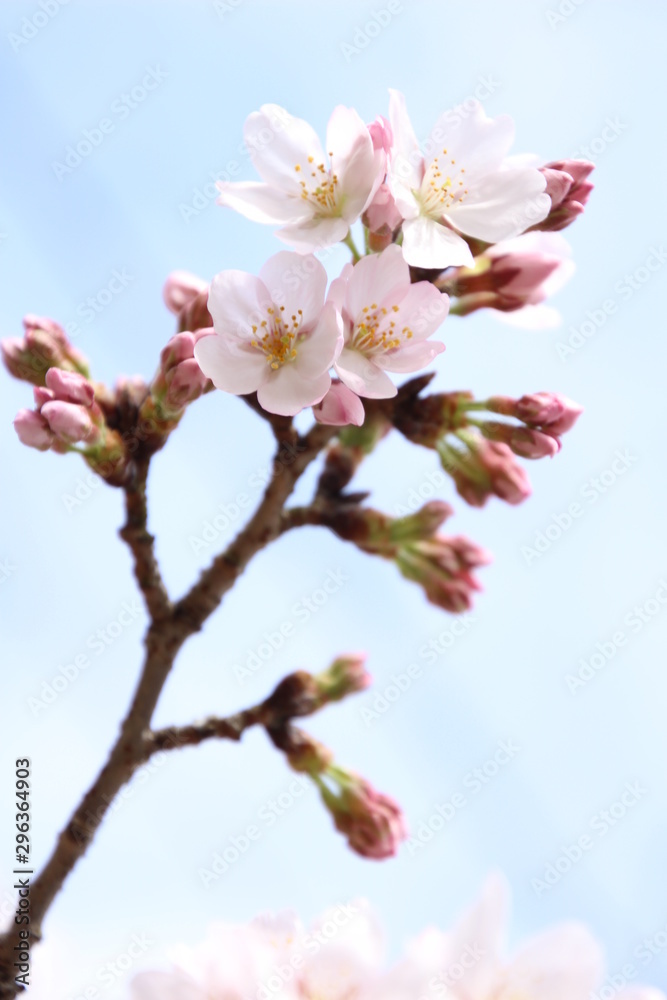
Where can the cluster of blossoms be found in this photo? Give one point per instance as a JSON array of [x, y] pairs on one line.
[[341, 956], [450, 226], [458, 206]]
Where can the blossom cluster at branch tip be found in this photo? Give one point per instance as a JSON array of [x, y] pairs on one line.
[[65, 414], [341, 955], [44, 346], [479, 453]]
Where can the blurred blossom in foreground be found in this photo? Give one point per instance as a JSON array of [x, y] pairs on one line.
[[341, 956]]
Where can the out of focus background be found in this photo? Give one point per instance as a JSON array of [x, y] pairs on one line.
[[539, 666]]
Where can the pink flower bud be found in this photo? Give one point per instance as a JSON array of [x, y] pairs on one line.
[[180, 288], [339, 407], [346, 675], [42, 324], [185, 383], [524, 441], [529, 443], [381, 134], [42, 395], [512, 274], [569, 190], [179, 348], [442, 565], [372, 822], [488, 468], [71, 387], [539, 408], [70, 421], [33, 430], [382, 216], [567, 419]]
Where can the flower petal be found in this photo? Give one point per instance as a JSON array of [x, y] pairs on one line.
[[353, 159], [429, 244], [287, 393], [502, 204], [378, 278], [260, 202], [318, 351], [314, 234], [296, 282], [236, 301], [564, 962], [411, 358], [238, 369], [423, 309], [407, 160], [473, 140], [278, 143], [363, 376], [165, 986]]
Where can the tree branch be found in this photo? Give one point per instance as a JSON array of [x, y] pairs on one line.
[[170, 626], [142, 545]]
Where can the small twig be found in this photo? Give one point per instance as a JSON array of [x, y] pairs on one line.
[[142, 545]]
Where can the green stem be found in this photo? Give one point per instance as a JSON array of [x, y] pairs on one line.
[[349, 242]]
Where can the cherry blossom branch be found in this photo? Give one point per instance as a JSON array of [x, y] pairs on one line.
[[169, 628]]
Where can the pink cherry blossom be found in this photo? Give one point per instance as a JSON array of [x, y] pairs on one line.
[[386, 322], [463, 181], [274, 335], [315, 197], [339, 407], [180, 288]]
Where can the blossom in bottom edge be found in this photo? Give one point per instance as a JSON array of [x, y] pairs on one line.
[[273, 334], [340, 956]]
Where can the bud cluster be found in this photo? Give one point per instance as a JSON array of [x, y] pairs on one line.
[[479, 453]]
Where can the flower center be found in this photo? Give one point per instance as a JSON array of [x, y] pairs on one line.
[[278, 336], [443, 186], [320, 190], [373, 334]]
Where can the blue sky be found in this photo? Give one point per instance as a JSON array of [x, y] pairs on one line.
[[579, 79]]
